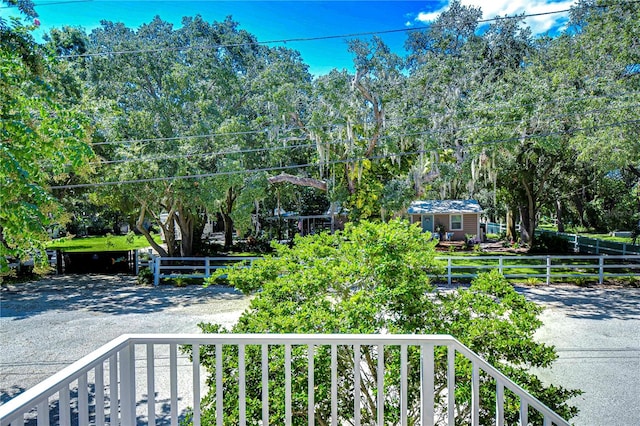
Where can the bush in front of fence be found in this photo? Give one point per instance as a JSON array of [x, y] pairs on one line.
[[375, 278]]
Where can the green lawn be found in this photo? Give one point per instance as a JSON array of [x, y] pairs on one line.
[[106, 243], [588, 234]]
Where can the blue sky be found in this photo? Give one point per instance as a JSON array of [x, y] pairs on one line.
[[276, 20]]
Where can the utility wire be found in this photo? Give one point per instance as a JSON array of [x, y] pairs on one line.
[[341, 142], [341, 161], [318, 38], [344, 123]]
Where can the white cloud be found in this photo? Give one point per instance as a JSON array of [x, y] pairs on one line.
[[493, 8]]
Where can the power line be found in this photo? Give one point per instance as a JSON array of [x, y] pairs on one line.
[[333, 162], [319, 38], [340, 142], [344, 123]]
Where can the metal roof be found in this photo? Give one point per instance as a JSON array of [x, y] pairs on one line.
[[444, 206]]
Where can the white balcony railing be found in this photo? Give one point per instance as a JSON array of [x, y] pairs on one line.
[[128, 381]]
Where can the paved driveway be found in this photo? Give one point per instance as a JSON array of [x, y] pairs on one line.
[[45, 326], [596, 332]]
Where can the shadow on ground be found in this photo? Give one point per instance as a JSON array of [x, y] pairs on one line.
[[595, 303], [111, 294]]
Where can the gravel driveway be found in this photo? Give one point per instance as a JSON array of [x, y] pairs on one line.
[[48, 324]]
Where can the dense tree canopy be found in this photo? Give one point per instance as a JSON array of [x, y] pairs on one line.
[[200, 122], [43, 139]]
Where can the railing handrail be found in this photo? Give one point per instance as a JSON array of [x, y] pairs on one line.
[[42, 391], [34, 395]]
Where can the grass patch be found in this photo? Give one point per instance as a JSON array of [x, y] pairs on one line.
[[103, 243]]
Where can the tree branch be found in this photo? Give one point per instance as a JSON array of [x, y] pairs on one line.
[[297, 180]]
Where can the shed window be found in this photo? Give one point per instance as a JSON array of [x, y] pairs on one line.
[[456, 222]]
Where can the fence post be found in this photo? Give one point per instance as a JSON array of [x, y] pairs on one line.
[[624, 249], [449, 271], [597, 246], [156, 271], [500, 265], [136, 256], [548, 270], [207, 266], [576, 245], [601, 273]]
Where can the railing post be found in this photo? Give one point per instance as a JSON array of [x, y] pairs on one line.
[[597, 246], [576, 244], [548, 270], [128, 385], [601, 269], [449, 271], [156, 271], [624, 249], [500, 266], [207, 267]]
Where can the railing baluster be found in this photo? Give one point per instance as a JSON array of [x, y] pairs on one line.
[[287, 384], [380, 381], [475, 394], [427, 385], [265, 384], [403, 385], [64, 406], [356, 384], [99, 379], [451, 385], [151, 384], [524, 412], [173, 382], [127, 383], [311, 385], [83, 400], [196, 384], [334, 385], [219, 388], [114, 403], [242, 391], [43, 413], [499, 403]]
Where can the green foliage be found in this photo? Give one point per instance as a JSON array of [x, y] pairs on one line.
[[42, 140], [374, 278], [145, 276]]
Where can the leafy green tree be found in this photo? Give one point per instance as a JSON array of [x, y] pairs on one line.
[[376, 278], [42, 140]]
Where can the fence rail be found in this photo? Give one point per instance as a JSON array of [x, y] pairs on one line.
[[120, 383], [193, 267], [580, 243], [550, 268]]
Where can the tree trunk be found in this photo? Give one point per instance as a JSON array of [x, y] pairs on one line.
[[225, 210], [559, 216], [301, 181], [140, 226], [511, 225]]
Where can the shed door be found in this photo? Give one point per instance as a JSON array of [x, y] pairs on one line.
[[427, 223]]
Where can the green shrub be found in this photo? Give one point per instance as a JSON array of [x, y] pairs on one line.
[[145, 276], [375, 278]]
